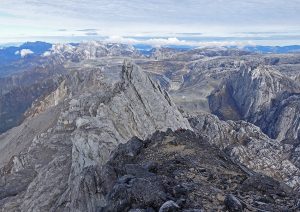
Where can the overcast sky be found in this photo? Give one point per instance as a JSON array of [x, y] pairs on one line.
[[24, 19]]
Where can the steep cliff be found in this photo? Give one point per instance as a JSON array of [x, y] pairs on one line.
[[18, 91], [263, 96]]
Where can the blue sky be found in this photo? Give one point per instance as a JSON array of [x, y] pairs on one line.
[[154, 21]]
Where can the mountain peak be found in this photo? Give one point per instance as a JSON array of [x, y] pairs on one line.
[[89, 125]]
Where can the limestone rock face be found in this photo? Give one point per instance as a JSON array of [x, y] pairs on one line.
[[93, 118], [262, 96], [282, 121], [252, 90], [50, 100], [246, 144]]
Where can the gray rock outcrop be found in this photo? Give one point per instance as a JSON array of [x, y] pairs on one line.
[[247, 145]]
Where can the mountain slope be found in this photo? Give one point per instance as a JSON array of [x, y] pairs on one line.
[[179, 171], [246, 144]]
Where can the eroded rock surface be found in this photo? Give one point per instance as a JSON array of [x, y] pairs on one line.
[[263, 96], [246, 144]]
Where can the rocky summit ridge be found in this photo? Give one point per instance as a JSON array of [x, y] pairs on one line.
[[180, 171], [92, 118]]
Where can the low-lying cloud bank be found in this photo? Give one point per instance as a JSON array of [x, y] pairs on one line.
[[157, 42]]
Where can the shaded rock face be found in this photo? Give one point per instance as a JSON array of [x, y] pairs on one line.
[[179, 171], [246, 144], [93, 118], [282, 122], [262, 96], [19, 91], [14, 104]]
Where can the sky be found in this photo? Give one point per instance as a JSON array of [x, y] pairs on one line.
[[157, 22]]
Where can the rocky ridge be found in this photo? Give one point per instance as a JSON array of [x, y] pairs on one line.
[[179, 171], [92, 120], [31, 79]]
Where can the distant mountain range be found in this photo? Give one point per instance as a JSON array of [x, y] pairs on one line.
[[147, 49], [13, 53], [273, 49], [14, 58]]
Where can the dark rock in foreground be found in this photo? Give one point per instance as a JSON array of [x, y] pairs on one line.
[[178, 171]]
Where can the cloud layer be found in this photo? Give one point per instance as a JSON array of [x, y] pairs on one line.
[[154, 17], [157, 42]]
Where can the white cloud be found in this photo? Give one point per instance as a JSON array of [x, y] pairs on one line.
[[157, 42], [24, 52], [46, 54]]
